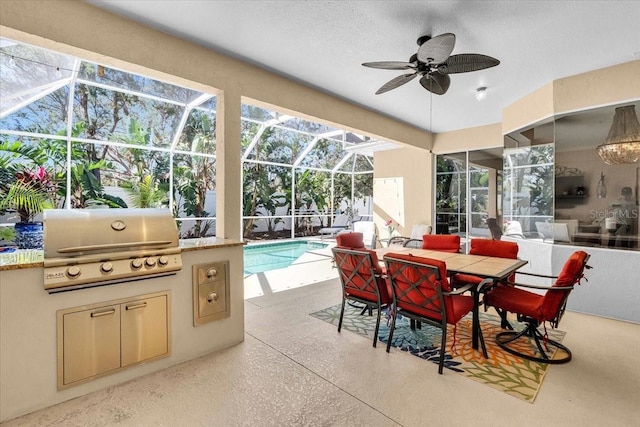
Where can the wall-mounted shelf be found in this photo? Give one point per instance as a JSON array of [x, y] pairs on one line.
[[571, 185], [571, 196]]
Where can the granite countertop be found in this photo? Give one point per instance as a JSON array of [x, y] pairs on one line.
[[31, 258], [21, 258]]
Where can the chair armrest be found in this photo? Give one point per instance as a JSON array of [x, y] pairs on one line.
[[537, 275], [396, 239], [460, 290], [412, 241], [486, 284], [548, 288]]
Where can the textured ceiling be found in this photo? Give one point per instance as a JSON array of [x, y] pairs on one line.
[[323, 43]]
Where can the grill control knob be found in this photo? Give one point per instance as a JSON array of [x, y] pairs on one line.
[[136, 264], [150, 262], [73, 271], [107, 267], [163, 260]]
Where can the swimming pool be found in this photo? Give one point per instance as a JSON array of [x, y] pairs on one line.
[[271, 256]]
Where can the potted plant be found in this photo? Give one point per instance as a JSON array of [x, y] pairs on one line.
[[30, 194]]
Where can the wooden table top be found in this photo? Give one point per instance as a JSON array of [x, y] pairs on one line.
[[478, 265]]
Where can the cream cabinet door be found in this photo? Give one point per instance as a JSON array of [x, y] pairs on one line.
[[144, 329], [91, 342]]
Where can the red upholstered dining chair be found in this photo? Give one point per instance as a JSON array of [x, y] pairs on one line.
[[422, 293], [535, 309], [362, 281], [437, 242]]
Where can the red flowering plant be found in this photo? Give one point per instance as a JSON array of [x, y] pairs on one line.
[[390, 226], [30, 193]]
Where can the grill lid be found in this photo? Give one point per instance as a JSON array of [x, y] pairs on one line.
[[70, 233], [85, 248]]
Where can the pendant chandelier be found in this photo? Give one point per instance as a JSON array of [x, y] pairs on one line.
[[622, 145]]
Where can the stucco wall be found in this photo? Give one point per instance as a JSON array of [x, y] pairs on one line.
[[476, 138], [414, 166]]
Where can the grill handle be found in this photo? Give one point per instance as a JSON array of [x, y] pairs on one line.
[[111, 246]]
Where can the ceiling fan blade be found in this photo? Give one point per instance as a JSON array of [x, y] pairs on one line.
[[396, 82], [437, 50], [390, 65], [467, 62], [436, 83]]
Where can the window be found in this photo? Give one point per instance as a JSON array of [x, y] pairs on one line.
[[107, 137], [298, 175]]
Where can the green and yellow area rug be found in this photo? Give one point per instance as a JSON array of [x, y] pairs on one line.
[[503, 371]]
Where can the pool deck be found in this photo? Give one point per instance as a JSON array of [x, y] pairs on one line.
[[312, 267]]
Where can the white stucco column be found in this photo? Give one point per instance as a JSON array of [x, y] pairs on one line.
[[228, 165]]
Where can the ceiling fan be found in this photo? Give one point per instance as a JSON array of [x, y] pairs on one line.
[[433, 62]]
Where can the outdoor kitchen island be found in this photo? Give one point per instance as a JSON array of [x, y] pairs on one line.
[[29, 371]]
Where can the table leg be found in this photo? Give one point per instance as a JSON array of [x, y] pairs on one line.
[[475, 319], [475, 324]]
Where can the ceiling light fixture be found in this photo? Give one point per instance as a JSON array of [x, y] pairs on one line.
[[622, 145], [481, 93]]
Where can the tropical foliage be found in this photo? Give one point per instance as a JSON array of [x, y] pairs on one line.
[[30, 194], [109, 138]]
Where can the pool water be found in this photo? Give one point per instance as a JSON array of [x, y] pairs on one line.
[[272, 256]]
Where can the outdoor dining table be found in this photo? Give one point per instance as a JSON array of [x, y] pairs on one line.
[[487, 267]]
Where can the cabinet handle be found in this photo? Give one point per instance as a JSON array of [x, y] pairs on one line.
[[136, 306], [103, 313]]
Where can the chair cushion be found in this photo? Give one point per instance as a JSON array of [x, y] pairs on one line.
[[540, 307], [497, 248], [379, 269], [349, 262], [441, 242], [516, 300], [571, 273], [457, 306], [572, 269], [383, 287], [462, 279], [352, 240], [440, 265]]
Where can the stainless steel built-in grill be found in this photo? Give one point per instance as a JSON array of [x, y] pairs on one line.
[[94, 247]]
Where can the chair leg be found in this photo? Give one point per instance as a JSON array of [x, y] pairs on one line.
[[504, 323], [482, 344], [530, 332], [375, 335], [341, 315], [443, 346], [391, 329]]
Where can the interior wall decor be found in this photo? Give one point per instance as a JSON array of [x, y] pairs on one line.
[[602, 189]]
